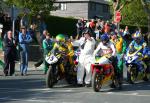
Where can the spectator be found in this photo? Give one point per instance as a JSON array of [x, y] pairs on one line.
[[9, 54], [24, 40], [7, 24], [41, 49], [47, 47], [92, 25], [41, 25], [126, 35], [79, 26], [107, 27], [113, 26], [24, 20], [33, 32]]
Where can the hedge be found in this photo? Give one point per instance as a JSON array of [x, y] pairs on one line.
[[133, 28], [56, 25], [67, 26]]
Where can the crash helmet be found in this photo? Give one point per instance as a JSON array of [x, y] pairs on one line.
[[104, 38], [60, 38], [137, 36]]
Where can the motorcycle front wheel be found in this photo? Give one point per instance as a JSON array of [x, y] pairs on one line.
[[131, 75], [50, 78], [96, 81]]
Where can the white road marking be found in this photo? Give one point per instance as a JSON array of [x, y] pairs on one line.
[[109, 92], [29, 100], [4, 98], [55, 90], [33, 100]]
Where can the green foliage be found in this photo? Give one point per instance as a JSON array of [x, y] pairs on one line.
[[133, 14], [132, 28], [33, 5]]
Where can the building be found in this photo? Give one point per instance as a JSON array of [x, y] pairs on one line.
[[82, 8]]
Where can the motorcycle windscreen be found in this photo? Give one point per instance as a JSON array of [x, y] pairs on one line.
[[51, 59], [103, 60]]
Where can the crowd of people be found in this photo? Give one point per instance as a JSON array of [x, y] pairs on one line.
[[17, 45], [94, 37], [113, 41]]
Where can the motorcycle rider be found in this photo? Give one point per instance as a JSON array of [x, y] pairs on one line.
[[107, 48], [138, 43], [47, 46], [65, 48], [86, 58], [120, 45]]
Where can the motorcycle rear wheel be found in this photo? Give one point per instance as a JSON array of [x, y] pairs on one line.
[[96, 81], [50, 78], [71, 75]]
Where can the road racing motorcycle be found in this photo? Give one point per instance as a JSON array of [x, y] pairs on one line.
[[132, 58], [59, 69], [102, 72]]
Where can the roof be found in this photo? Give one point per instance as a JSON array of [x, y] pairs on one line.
[[97, 1]]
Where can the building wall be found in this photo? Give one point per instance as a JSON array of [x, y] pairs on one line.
[[86, 9], [97, 9], [76, 10]]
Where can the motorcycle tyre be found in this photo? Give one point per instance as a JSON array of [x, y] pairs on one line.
[[131, 75], [96, 81], [49, 78]]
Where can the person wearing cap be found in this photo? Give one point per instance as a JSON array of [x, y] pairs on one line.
[[24, 40], [47, 47], [120, 45], [86, 59]]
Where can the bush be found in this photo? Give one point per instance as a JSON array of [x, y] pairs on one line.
[[134, 28], [56, 25]]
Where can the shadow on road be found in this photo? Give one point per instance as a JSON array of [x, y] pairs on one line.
[[132, 87]]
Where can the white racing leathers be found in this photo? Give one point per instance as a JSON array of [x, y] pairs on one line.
[[108, 49], [86, 58]]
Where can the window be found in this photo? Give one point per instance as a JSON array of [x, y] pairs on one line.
[[93, 6], [62, 6], [105, 8]]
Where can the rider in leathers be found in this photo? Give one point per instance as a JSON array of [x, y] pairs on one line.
[[139, 44], [107, 48]]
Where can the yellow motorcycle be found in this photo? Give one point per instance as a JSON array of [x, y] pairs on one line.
[[61, 66]]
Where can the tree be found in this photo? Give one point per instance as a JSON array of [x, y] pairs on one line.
[[146, 5], [133, 14], [35, 6], [118, 5]]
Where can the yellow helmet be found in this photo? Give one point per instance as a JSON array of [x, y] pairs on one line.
[[60, 37], [137, 35]]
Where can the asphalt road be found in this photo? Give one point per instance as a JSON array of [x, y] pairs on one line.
[[31, 89]]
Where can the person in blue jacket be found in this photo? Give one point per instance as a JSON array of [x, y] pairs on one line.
[[24, 40]]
